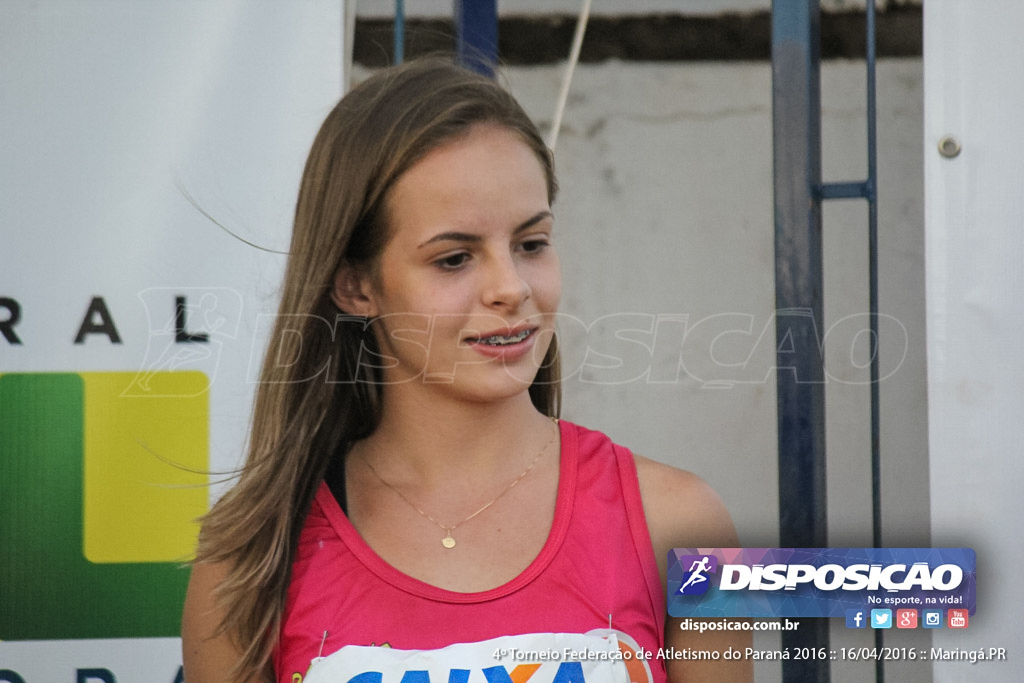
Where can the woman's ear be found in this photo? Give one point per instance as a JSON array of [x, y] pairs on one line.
[[352, 292]]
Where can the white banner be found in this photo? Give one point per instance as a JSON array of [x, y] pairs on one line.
[[151, 154]]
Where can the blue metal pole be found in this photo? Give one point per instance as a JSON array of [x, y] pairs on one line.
[[476, 34], [871, 195], [399, 45], [800, 377]]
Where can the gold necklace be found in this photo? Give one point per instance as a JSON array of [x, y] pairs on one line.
[[449, 541]]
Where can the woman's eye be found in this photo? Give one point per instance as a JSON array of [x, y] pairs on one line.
[[452, 261], [534, 246]]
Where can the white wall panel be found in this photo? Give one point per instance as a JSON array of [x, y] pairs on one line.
[[974, 91]]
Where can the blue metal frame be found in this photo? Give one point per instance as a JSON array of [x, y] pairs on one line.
[[799, 193], [476, 34]]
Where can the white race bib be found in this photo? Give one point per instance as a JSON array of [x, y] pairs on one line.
[[593, 657]]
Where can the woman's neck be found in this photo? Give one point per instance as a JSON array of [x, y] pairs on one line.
[[444, 443]]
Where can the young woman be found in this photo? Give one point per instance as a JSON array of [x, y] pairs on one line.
[[408, 486]]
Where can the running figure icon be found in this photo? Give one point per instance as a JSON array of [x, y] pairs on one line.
[[697, 570]]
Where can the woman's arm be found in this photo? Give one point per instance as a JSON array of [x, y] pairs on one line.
[[209, 653], [684, 512]]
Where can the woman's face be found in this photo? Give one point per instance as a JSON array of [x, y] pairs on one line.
[[467, 288]]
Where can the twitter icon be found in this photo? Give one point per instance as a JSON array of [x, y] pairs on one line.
[[881, 618]]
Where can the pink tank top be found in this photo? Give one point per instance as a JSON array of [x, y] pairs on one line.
[[597, 561]]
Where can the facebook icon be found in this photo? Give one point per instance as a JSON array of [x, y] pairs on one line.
[[856, 618]]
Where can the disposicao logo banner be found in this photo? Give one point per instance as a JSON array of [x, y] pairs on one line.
[[817, 582], [100, 487]]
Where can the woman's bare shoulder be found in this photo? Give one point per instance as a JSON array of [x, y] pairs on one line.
[[682, 510]]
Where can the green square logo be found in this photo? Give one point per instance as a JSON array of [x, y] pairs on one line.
[[100, 489]]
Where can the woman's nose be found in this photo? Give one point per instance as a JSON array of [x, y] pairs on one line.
[[506, 286]]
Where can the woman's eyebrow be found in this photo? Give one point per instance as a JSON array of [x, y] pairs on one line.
[[532, 221], [456, 236], [451, 236]]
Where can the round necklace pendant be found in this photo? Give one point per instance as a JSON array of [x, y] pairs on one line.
[[448, 541]]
